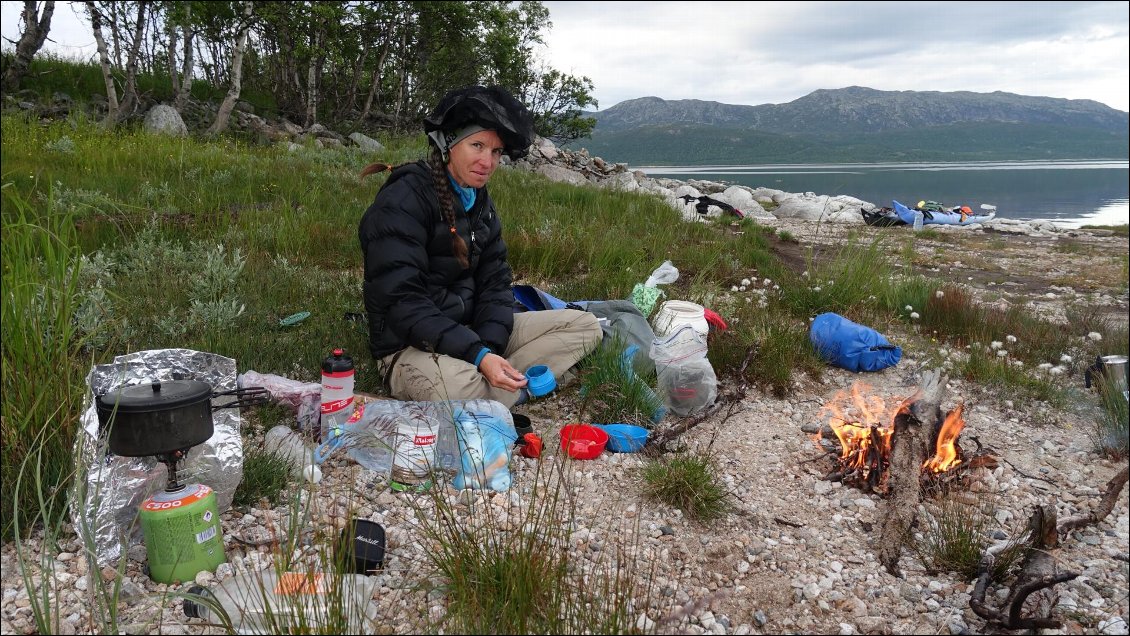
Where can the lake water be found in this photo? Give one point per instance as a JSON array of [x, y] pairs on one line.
[[1070, 193]]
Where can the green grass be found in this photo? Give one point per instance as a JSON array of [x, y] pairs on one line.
[[612, 393], [1111, 434], [955, 535], [511, 573], [266, 476], [689, 482]]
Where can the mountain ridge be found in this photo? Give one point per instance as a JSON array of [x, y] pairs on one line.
[[826, 123]]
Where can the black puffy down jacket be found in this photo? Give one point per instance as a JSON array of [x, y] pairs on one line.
[[416, 292]]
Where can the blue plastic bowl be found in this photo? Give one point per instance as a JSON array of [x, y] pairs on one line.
[[625, 438], [541, 380]]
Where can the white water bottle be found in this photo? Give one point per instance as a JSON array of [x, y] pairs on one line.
[[918, 219], [285, 443]]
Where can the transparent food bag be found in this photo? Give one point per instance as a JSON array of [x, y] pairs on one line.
[[684, 375]]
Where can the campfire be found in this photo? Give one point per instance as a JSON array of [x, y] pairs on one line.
[[863, 424]]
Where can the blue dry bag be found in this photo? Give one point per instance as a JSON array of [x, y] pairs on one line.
[[851, 346]]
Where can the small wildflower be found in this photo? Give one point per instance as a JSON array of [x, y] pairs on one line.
[[908, 308], [939, 294], [1095, 336], [996, 344], [768, 282], [734, 288], [1018, 363], [1002, 353], [816, 289], [1066, 359], [742, 288], [804, 273], [1010, 338], [914, 315], [776, 288], [745, 281]]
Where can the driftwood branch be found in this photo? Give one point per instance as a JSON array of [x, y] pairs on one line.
[[1106, 504], [661, 441], [1038, 572], [915, 424]]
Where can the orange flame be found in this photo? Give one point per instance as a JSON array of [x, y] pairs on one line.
[[864, 424], [945, 453]]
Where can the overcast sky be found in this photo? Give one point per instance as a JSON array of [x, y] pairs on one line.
[[775, 52]]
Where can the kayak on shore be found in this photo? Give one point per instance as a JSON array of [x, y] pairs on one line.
[[944, 217]]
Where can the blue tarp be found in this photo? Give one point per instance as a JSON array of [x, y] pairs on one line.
[[852, 346]]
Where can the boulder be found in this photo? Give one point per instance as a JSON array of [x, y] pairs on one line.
[[366, 143], [165, 120], [560, 174]]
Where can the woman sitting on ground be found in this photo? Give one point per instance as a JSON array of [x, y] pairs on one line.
[[437, 283]]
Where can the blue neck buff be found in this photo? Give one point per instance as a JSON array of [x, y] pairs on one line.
[[466, 195]]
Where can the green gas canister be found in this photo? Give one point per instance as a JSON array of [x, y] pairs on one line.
[[182, 533]]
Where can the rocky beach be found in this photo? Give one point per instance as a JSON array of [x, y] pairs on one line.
[[798, 552]]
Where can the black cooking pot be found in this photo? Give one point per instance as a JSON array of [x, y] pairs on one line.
[[163, 417]]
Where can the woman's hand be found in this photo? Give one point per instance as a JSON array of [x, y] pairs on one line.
[[500, 373]]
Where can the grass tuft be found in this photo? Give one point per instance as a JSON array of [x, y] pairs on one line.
[[688, 482]]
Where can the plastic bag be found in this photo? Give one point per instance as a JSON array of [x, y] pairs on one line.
[[485, 444], [303, 398], [685, 377], [851, 346], [646, 294], [664, 274]]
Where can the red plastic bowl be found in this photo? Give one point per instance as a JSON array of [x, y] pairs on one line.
[[583, 441]]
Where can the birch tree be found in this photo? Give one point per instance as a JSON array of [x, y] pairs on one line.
[[236, 72], [36, 27]]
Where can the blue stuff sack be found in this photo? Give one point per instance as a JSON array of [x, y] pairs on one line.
[[852, 346], [485, 444]]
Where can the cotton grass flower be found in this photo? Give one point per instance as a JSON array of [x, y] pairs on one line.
[[908, 308], [1095, 336], [1044, 366], [1002, 353], [1066, 359], [1010, 338], [914, 315], [745, 281], [734, 288], [996, 344], [939, 294], [1057, 370]]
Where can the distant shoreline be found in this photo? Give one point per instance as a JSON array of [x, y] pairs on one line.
[[1069, 193]]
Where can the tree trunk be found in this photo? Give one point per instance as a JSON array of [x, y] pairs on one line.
[[31, 40], [174, 78], [375, 86], [910, 447], [130, 98], [184, 88], [104, 59], [236, 73], [312, 78]]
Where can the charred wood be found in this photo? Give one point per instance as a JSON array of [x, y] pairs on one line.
[[915, 426]]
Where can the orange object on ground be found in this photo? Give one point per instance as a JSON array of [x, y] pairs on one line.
[[531, 446]]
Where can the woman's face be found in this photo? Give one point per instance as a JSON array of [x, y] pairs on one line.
[[475, 158]]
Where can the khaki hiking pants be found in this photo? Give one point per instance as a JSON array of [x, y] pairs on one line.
[[557, 338]]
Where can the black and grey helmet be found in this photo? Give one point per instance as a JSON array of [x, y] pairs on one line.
[[491, 107]]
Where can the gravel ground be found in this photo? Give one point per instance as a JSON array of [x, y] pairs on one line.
[[795, 555]]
